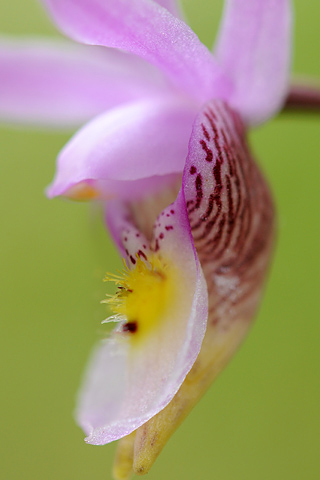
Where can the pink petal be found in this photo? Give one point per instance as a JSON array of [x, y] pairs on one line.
[[172, 6], [122, 391], [254, 48], [148, 30], [58, 83], [139, 140]]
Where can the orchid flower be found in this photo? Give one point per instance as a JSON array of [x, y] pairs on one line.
[[166, 154]]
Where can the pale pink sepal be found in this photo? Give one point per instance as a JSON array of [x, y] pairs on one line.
[[254, 48], [61, 84], [148, 30]]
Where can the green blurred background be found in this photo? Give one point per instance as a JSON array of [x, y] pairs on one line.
[[261, 419]]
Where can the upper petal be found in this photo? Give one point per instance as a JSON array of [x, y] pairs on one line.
[[254, 48], [137, 141], [145, 28], [63, 84], [123, 388]]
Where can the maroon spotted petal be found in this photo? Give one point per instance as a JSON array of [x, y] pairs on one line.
[[230, 210]]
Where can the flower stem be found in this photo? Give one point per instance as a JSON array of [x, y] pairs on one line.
[[304, 96]]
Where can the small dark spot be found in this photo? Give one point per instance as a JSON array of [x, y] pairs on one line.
[[127, 251], [209, 154], [172, 211], [125, 239], [137, 235], [205, 132], [193, 170], [142, 254], [199, 195], [161, 236], [217, 173], [133, 260], [169, 227], [131, 327], [144, 246]]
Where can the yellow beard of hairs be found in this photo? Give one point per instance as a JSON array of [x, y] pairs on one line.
[[145, 295]]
